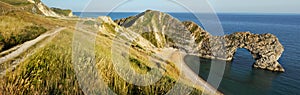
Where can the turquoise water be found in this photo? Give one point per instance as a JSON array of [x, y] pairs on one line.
[[239, 77]]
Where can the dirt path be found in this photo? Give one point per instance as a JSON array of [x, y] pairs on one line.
[[178, 58], [24, 47]]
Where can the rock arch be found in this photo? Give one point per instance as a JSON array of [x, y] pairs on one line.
[[265, 48]]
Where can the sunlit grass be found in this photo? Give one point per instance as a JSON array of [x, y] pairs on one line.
[[15, 31], [19, 27], [50, 71]]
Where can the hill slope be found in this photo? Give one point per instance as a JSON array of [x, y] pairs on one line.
[[49, 69]]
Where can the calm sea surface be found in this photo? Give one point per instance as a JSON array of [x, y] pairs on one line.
[[239, 77]]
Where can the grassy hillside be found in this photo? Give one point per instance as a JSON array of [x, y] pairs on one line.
[[50, 70], [13, 33], [19, 27], [17, 2]]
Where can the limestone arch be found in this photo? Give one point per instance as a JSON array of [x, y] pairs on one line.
[[264, 48]]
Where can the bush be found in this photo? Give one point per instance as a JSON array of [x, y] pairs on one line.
[[62, 11]]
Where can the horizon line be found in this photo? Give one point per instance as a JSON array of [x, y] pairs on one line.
[[197, 12]]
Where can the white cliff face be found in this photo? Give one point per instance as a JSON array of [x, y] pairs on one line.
[[31, 1], [70, 14], [44, 9]]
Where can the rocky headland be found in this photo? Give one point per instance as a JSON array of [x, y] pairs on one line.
[[162, 30]]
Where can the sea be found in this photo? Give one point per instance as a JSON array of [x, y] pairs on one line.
[[239, 77]]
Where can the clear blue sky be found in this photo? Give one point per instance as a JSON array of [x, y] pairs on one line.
[[221, 6]]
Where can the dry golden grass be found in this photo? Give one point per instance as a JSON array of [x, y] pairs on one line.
[[19, 27], [14, 31], [50, 71]]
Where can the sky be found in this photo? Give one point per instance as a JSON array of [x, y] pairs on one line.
[[219, 6]]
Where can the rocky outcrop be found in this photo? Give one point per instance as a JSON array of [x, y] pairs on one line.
[[265, 48], [162, 30]]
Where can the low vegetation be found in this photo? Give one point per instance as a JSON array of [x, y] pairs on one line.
[[64, 12]]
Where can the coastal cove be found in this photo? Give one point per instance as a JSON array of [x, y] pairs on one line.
[[240, 77]]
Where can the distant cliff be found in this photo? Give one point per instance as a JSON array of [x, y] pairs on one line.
[[45, 10], [33, 6], [63, 12], [162, 30]]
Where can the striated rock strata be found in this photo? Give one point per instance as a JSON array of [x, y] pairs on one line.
[[162, 30]]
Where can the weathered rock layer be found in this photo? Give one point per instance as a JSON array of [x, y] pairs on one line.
[[265, 48], [161, 29]]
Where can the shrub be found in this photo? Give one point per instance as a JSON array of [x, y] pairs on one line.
[[64, 12]]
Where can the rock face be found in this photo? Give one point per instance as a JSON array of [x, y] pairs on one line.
[[197, 32], [110, 28], [265, 48], [39, 6], [162, 30]]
